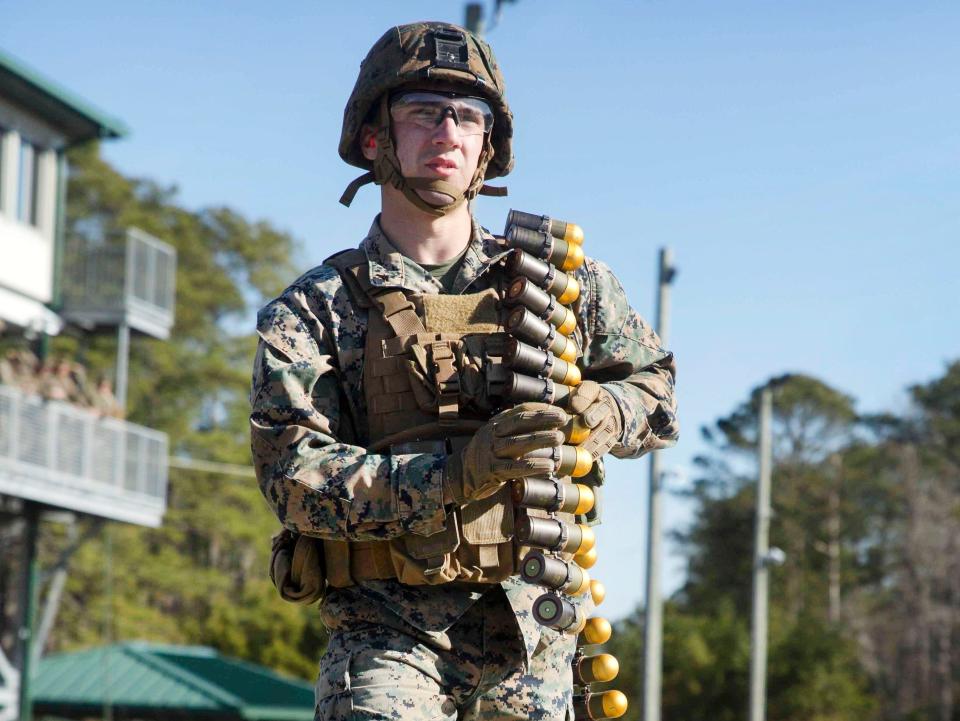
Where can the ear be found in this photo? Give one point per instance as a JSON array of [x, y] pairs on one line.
[[368, 142]]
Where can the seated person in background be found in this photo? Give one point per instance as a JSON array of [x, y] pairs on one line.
[[26, 368], [104, 402], [8, 373]]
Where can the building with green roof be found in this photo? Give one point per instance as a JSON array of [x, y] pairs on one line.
[[141, 680]]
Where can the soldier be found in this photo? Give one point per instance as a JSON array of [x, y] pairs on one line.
[[28, 371], [8, 368], [83, 394], [104, 402], [371, 429]]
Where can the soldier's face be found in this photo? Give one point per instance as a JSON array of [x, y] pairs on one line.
[[442, 153]]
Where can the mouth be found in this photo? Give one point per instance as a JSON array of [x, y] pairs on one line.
[[442, 166]]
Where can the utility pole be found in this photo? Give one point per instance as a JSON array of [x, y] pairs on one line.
[[761, 562], [473, 20], [653, 618]]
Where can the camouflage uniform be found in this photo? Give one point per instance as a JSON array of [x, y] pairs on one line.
[[421, 652]]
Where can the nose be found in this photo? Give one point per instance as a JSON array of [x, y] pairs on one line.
[[447, 131]]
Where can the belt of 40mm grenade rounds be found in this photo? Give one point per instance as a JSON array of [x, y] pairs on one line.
[[541, 356]]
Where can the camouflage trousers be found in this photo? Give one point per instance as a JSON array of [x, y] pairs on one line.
[[372, 672]]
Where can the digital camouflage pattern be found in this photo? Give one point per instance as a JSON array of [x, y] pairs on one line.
[[403, 56], [309, 431], [372, 671]]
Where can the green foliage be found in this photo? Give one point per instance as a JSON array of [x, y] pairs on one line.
[[810, 418], [705, 664], [939, 402], [201, 577], [863, 612], [720, 553], [814, 675]]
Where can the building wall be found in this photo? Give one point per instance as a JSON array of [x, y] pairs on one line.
[[28, 195]]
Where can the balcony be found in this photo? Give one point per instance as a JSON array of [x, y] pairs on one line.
[[71, 458], [127, 280]]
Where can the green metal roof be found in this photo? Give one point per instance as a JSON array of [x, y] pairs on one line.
[[74, 117], [159, 681]]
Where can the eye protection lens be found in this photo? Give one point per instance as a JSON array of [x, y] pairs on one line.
[[473, 116]]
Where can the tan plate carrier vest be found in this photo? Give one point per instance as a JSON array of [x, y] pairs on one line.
[[425, 362]]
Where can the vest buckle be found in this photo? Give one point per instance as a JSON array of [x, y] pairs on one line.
[[447, 379]]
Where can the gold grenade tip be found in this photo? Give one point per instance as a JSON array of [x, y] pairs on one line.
[[614, 704], [596, 630], [569, 352], [573, 234], [573, 377], [588, 539], [573, 259], [604, 667], [584, 463], [583, 587], [571, 292], [597, 591], [587, 559], [586, 502], [578, 431], [569, 323]]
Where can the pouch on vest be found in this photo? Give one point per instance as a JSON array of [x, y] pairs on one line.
[[296, 567], [476, 545]]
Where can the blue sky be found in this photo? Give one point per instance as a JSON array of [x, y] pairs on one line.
[[799, 158]]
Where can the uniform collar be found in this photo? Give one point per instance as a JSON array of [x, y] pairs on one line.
[[390, 269]]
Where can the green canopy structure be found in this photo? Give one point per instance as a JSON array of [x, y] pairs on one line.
[[154, 681]]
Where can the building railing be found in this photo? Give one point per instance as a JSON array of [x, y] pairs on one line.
[[68, 457], [109, 281]]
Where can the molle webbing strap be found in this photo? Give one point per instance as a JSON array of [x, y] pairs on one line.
[[391, 404], [395, 402], [401, 344], [448, 381], [393, 304], [354, 272], [398, 311]]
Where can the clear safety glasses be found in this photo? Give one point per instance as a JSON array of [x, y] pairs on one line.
[[473, 116]]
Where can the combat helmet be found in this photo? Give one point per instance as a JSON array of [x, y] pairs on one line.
[[420, 55]]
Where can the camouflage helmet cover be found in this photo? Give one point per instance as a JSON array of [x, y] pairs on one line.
[[407, 55]]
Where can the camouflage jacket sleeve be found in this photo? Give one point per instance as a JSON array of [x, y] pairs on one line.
[[313, 476], [624, 354]]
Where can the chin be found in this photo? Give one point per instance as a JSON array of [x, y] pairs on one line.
[[434, 198]]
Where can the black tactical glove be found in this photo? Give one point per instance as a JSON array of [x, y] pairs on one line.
[[495, 454]]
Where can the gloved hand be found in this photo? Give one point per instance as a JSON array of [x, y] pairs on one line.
[[495, 453], [599, 412]]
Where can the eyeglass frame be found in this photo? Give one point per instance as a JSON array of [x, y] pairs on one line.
[[446, 94]]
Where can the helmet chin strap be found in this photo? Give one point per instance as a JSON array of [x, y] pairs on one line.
[[386, 169]]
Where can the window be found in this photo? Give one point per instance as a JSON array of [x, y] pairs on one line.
[[27, 188], [3, 142]]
